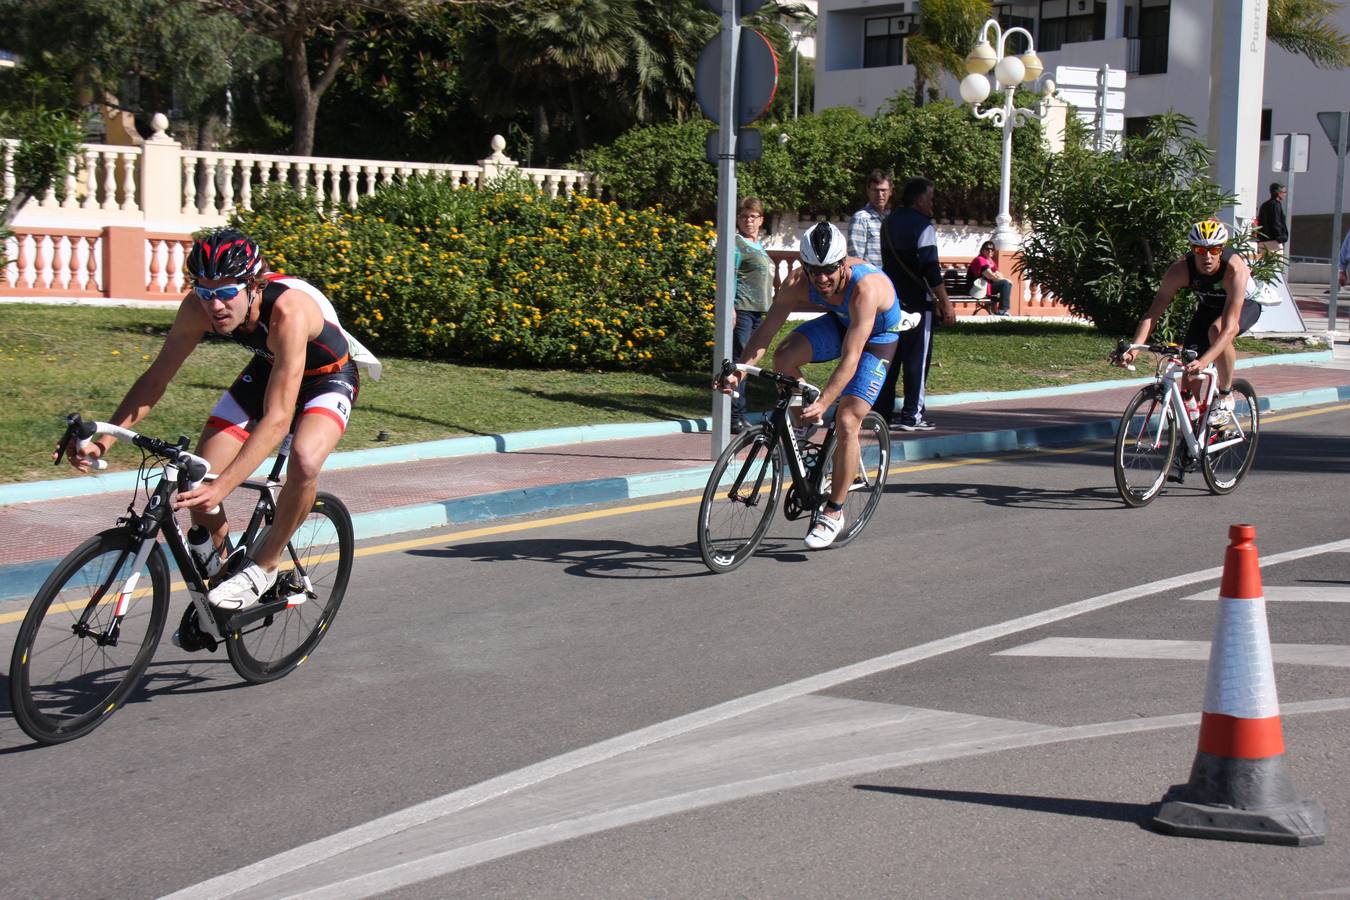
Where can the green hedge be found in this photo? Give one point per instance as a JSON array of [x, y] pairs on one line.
[[503, 276], [819, 168]]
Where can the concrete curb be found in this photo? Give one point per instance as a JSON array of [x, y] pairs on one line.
[[60, 488], [21, 581]]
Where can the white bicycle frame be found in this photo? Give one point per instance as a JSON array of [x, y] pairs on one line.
[[1172, 374]]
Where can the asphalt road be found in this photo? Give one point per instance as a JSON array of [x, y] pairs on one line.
[[574, 708]]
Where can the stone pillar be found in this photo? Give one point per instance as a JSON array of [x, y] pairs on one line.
[[1237, 79], [497, 164], [124, 262], [161, 176]]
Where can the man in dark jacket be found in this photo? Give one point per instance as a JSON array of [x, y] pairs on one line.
[[1274, 230], [909, 257]]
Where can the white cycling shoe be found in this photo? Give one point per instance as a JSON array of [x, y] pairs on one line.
[[243, 589], [824, 531]]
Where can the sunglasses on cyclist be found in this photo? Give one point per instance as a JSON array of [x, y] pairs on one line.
[[224, 293], [813, 271], [1200, 251]]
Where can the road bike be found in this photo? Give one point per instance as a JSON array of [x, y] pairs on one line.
[[1147, 453], [93, 627], [747, 480]]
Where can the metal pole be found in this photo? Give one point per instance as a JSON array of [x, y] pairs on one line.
[[1334, 291], [1003, 238], [726, 222], [795, 52]]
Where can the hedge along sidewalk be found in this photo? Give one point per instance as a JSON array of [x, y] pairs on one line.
[[36, 491]]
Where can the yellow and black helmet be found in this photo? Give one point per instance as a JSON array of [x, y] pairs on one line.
[[1209, 233]]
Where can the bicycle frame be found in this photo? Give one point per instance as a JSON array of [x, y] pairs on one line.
[[1170, 376], [157, 516]]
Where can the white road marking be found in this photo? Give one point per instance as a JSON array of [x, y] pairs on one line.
[[275, 867], [1333, 655], [1320, 594]]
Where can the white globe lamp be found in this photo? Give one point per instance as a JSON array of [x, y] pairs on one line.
[[974, 89], [1010, 71]]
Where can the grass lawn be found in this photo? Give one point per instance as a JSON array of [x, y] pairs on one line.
[[57, 359]]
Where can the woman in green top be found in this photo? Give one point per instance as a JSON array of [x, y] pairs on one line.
[[754, 289]]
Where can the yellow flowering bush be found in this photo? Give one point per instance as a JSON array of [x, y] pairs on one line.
[[503, 276]]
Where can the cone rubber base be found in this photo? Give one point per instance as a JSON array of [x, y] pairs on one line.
[[1241, 800], [1303, 824]]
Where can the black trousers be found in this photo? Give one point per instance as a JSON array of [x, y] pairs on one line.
[[912, 359]]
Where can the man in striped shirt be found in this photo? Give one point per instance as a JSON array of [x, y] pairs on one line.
[[864, 228]]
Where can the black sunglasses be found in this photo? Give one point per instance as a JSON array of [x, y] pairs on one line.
[[822, 270]]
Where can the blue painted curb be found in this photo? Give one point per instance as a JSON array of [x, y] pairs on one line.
[[21, 581]]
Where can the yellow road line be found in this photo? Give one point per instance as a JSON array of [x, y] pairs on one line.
[[513, 527]]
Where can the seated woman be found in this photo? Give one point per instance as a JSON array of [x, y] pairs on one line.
[[986, 266]]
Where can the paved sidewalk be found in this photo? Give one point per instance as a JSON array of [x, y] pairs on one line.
[[405, 496]]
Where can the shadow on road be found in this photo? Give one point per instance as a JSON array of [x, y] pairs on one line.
[[1018, 497], [166, 678], [608, 559], [1140, 814]]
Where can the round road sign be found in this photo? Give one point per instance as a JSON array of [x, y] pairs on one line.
[[756, 77]]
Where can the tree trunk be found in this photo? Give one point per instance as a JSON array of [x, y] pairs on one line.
[[12, 209], [578, 116], [306, 93]]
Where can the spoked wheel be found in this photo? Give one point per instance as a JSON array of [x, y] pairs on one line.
[[1232, 447], [740, 499], [269, 646], [73, 664], [1146, 440], [869, 479]]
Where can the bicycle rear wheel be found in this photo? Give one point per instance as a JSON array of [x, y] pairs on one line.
[[740, 498], [1146, 440], [66, 675], [869, 481], [1232, 448], [269, 647]]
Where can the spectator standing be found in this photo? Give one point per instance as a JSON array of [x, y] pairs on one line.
[[864, 228], [1274, 227], [1344, 261], [985, 265], [754, 289], [910, 259]]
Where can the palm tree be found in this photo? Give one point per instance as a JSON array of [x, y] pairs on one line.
[[1301, 27], [947, 31]]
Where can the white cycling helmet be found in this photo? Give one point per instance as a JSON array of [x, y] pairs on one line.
[[1209, 233], [822, 245]]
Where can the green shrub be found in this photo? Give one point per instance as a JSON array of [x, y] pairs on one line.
[[1106, 226], [820, 167], [503, 276]]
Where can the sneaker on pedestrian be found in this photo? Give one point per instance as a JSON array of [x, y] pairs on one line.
[[242, 590], [915, 425], [1001, 312], [824, 531], [738, 425]]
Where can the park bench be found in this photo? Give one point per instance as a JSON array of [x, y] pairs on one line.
[[957, 281]]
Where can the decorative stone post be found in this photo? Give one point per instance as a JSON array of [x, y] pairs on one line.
[[496, 164], [161, 175]]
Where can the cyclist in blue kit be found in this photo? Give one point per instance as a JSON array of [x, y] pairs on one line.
[[860, 328]]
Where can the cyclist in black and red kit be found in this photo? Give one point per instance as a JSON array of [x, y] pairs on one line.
[[302, 373], [1224, 288]]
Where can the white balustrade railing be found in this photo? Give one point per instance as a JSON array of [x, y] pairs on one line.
[[98, 177], [169, 188], [69, 263]]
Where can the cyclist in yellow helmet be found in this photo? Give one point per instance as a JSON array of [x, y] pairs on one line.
[[1223, 284]]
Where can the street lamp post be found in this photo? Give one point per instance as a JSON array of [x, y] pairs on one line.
[[1009, 70]]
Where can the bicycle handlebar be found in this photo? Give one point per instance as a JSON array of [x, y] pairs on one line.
[[193, 469], [1186, 355], [810, 393]]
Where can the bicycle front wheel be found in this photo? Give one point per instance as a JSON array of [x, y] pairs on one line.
[[740, 499], [1232, 447], [869, 478], [1146, 441], [75, 661], [319, 557]]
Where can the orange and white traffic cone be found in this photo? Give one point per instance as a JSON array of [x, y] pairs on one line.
[[1240, 789]]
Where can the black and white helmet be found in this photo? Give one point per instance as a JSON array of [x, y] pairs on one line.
[[822, 245]]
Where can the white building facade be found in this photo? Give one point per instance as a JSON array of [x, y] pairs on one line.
[[1165, 47]]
